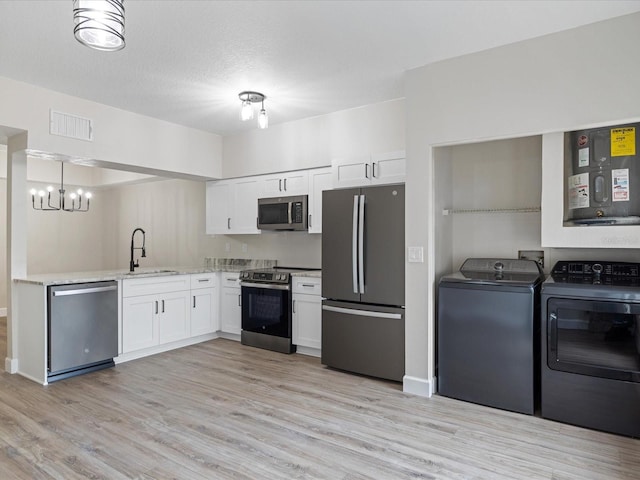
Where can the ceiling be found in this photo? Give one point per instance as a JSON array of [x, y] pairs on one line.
[[186, 61]]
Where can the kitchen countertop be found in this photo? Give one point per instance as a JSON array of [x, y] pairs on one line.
[[106, 275], [220, 265], [308, 273]]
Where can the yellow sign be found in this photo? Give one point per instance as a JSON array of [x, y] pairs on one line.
[[623, 141]]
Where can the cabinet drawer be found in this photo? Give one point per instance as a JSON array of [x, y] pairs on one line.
[[203, 280], [308, 285], [155, 285], [230, 279]]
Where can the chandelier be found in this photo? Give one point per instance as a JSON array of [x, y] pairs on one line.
[[99, 24], [75, 198]]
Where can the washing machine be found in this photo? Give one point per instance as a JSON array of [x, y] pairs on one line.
[[488, 332]]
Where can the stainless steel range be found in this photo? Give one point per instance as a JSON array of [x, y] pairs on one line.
[[266, 308]]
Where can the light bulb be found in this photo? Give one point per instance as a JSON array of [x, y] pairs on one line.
[[79, 191], [72, 196], [41, 193], [247, 111], [88, 195], [263, 119], [33, 191], [49, 189]]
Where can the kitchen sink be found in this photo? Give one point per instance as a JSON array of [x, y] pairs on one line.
[[150, 272]]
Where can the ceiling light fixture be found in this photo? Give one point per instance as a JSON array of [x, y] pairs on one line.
[[246, 113], [99, 24], [62, 203]]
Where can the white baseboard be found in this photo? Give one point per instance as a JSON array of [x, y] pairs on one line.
[[418, 386], [312, 352], [145, 352], [3, 312], [11, 365]]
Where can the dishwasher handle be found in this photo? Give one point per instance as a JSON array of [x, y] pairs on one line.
[[82, 291]]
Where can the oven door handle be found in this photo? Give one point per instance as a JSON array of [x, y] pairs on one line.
[[268, 286]]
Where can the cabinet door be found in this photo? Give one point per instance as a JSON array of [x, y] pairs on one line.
[[139, 322], [307, 320], [230, 311], [203, 312], [296, 183], [351, 172], [288, 183], [388, 168], [217, 208], [174, 316], [245, 206], [319, 181]]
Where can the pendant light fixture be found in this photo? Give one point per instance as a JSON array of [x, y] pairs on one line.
[[246, 112], [99, 24], [76, 198]]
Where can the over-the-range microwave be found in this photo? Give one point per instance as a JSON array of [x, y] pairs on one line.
[[283, 213]]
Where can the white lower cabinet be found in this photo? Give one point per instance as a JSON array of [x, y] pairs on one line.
[[139, 323], [167, 310], [204, 304], [150, 320], [230, 304], [307, 314]]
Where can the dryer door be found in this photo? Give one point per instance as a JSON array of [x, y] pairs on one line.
[[595, 338]]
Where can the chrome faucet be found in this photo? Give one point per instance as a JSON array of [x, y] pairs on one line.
[[144, 252]]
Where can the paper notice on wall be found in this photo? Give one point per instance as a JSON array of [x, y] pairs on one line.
[[583, 157], [623, 141], [579, 191], [620, 184]]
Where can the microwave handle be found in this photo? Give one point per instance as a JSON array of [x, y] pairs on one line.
[[289, 213]]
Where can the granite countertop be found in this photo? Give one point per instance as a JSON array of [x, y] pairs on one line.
[[213, 265], [308, 273]]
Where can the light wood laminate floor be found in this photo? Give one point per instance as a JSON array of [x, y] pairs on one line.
[[220, 410]]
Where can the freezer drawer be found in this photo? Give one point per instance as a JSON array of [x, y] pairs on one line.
[[363, 339]]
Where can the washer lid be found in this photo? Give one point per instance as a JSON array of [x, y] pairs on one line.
[[499, 271]]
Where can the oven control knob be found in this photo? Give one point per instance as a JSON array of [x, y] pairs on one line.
[[597, 268]]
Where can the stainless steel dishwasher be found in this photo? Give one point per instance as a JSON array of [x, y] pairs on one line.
[[82, 328]]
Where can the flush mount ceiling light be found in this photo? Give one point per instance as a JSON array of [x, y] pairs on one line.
[[62, 203], [246, 113], [99, 24]]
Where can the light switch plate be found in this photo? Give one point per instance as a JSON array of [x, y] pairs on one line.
[[415, 254]]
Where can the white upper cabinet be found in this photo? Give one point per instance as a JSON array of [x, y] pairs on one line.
[[320, 179], [244, 218], [218, 200], [369, 170], [232, 206], [288, 183]]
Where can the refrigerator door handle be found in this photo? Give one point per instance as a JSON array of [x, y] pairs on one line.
[[354, 245], [361, 245], [364, 313]]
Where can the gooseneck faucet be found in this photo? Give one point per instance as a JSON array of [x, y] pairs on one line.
[[133, 265]]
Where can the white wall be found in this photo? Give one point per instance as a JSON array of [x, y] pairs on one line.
[[555, 83], [496, 175], [314, 142], [120, 137]]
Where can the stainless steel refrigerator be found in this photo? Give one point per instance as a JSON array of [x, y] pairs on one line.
[[363, 280]]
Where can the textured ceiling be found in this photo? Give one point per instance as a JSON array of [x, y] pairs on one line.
[[186, 61]]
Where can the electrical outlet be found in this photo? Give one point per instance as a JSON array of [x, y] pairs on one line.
[[227, 247], [537, 255], [415, 254], [245, 248]]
